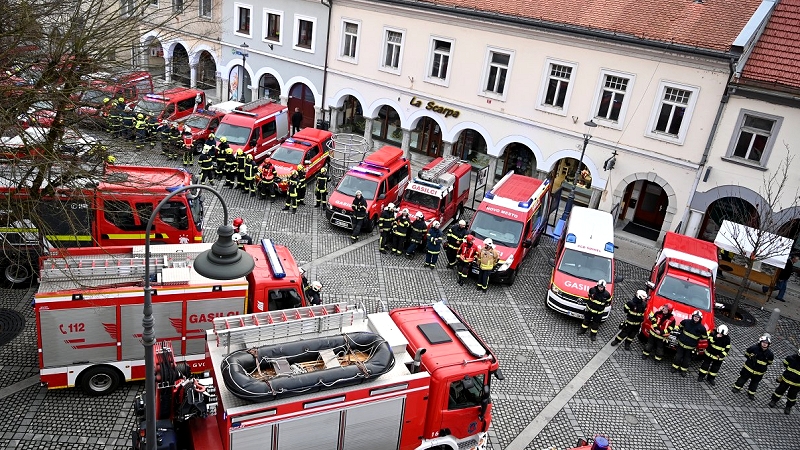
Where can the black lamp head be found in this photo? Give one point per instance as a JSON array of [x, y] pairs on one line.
[[224, 261]]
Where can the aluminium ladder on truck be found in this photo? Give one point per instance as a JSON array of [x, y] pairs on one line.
[[440, 168], [272, 327]]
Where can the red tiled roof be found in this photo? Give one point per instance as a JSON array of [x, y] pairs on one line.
[[713, 24], [776, 57]]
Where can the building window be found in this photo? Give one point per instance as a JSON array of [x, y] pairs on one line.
[[439, 61], [205, 8], [127, 8], [755, 137], [611, 100], [498, 64], [555, 92], [304, 33], [153, 2], [393, 50], [177, 6], [672, 112], [243, 19], [349, 48], [273, 23]]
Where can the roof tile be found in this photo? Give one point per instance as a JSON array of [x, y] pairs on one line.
[[776, 57]]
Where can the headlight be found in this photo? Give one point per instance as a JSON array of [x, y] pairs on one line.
[[328, 205], [506, 264]]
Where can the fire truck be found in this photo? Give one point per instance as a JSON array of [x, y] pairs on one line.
[[256, 128], [89, 308], [309, 147], [514, 215], [413, 378], [111, 211], [439, 190], [684, 274]]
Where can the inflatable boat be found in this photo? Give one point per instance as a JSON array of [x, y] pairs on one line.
[[284, 370]]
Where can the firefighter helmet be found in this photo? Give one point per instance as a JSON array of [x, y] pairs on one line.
[[106, 100], [470, 239], [419, 215], [697, 313], [641, 294], [358, 193], [435, 224], [140, 116], [601, 283], [299, 167], [239, 152], [390, 207], [488, 242], [121, 100], [211, 136], [249, 156], [723, 330], [223, 139], [323, 170], [404, 211], [462, 222], [237, 222], [765, 338], [111, 159], [316, 285], [242, 229]]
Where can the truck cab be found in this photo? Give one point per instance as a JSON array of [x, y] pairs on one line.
[[276, 282], [256, 128], [201, 124], [514, 215], [171, 104], [684, 275], [309, 147], [439, 190]]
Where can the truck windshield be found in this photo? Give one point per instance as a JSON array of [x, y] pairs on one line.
[[466, 392], [422, 199], [585, 266], [93, 97], [288, 155], [198, 121], [235, 134], [502, 231], [686, 292], [351, 184], [150, 107]]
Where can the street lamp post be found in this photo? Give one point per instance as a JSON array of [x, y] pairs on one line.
[[243, 85], [224, 261], [571, 199]]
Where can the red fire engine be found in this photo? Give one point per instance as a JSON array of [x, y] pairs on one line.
[[114, 211], [330, 377], [89, 308], [256, 128], [309, 147], [439, 191]]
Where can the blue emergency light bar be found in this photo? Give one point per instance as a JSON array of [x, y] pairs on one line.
[[367, 171], [489, 195], [295, 141], [609, 247], [272, 257], [526, 204], [571, 238], [377, 166], [157, 97], [428, 183]]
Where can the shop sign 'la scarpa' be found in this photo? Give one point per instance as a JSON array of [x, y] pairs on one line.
[[432, 106]]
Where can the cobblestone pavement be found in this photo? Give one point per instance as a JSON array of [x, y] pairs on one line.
[[638, 404]]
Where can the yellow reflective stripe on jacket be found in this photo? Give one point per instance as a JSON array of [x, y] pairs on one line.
[[754, 372], [683, 330]]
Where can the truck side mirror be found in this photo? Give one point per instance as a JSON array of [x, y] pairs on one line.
[[527, 243], [552, 263], [498, 375], [307, 162], [486, 398], [618, 279], [253, 142], [650, 285], [382, 196]]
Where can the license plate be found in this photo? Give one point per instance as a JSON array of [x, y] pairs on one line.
[[574, 314], [341, 223], [475, 270]]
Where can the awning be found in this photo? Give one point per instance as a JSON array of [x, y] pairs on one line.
[[736, 238]]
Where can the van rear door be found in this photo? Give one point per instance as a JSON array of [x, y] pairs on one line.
[[282, 124]]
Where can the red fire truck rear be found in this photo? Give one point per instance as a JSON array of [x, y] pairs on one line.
[[255, 128], [514, 215], [114, 211], [433, 393], [89, 308], [439, 191], [684, 275]]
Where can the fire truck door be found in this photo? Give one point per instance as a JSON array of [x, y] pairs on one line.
[[86, 334], [464, 396], [168, 326]]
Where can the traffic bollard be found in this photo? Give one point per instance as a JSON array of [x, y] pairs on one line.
[[773, 320]]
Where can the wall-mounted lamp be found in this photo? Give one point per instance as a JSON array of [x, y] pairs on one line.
[[708, 172], [270, 46], [610, 162]]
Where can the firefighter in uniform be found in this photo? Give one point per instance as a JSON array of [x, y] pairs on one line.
[[221, 159], [210, 147], [359, 214], [312, 291], [487, 260], [759, 357], [691, 332], [152, 130], [128, 121], [206, 167], [434, 245], [291, 192], [789, 380], [141, 130], [175, 141], [115, 117], [661, 324], [164, 130], [267, 187], [230, 168], [241, 159], [321, 187], [466, 255], [250, 169], [400, 228], [385, 222], [719, 345], [301, 188], [244, 238], [188, 146], [417, 232], [596, 303], [455, 236], [634, 314]]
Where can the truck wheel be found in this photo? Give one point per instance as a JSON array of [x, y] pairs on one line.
[[17, 275], [372, 224], [100, 380], [512, 276]]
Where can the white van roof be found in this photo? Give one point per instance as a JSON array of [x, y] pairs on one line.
[[590, 231], [225, 107]]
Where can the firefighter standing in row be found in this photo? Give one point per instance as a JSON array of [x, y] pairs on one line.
[[400, 228], [455, 236], [152, 130], [140, 130], [221, 159], [789, 380], [690, 332], [267, 186], [466, 255], [301, 187], [759, 358], [634, 314], [488, 258], [385, 222], [719, 345], [115, 117], [416, 234], [128, 121], [359, 214], [312, 292], [164, 129], [188, 146], [250, 169], [321, 187], [206, 167], [292, 184], [434, 245], [241, 161], [661, 324], [175, 141], [596, 303], [230, 168]]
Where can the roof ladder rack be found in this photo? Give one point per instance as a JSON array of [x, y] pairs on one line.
[[441, 167]]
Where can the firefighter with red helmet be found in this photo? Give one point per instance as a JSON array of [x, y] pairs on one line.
[[596, 303], [759, 358], [719, 345], [634, 315], [789, 380], [661, 324], [466, 255], [690, 332], [237, 222]]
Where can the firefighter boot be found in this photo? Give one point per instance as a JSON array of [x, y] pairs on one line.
[[773, 403], [583, 330], [628, 345], [701, 376], [616, 341], [593, 336], [787, 410], [711, 381]]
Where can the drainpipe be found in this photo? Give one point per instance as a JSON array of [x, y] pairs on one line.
[[329, 4], [722, 102]]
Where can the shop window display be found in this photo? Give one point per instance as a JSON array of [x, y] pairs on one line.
[[472, 147]]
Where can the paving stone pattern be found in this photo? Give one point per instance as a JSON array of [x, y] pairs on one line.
[[638, 404]]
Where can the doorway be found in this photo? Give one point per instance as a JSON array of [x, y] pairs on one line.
[[301, 96], [429, 140]]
